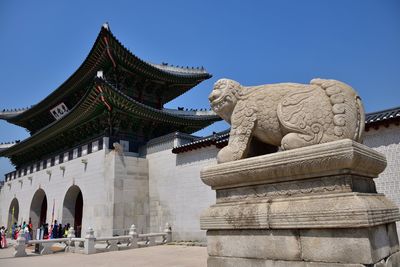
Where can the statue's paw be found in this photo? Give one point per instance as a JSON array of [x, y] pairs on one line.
[[295, 140], [225, 155]]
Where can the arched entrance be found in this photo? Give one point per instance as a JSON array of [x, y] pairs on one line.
[[13, 213], [73, 208], [38, 209]]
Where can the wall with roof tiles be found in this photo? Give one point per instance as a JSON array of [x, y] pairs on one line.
[[387, 141], [176, 193]]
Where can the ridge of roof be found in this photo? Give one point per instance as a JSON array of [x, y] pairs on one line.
[[382, 115], [179, 69]]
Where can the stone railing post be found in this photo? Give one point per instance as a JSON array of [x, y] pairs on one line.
[[46, 249], [71, 234], [112, 245], [90, 242], [151, 241], [168, 231], [133, 242], [20, 247]]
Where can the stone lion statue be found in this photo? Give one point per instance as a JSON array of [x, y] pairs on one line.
[[286, 115]]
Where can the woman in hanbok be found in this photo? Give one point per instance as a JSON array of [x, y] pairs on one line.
[[26, 233], [16, 234], [3, 238]]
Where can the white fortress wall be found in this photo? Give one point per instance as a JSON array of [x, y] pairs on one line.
[[387, 141], [93, 179], [131, 193], [177, 195]]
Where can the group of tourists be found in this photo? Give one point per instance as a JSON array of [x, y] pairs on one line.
[[54, 231], [24, 229]]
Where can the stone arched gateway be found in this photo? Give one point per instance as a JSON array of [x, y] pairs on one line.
[[13, 213], [73, 209], [38, 210]]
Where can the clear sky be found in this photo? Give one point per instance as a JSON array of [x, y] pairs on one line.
[[254, 42]]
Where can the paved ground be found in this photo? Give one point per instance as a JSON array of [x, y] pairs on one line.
[[158, 256]]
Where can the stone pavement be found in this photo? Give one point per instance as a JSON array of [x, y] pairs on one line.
[[158, 256]]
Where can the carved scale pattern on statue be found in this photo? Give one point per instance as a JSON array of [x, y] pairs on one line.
[[286, 115]]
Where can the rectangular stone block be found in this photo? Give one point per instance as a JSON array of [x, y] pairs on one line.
[[259, 244], [393, 237], [352, 245], [239, 262]]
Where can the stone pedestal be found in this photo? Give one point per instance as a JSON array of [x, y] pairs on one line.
[[313, 206], [90, 242]]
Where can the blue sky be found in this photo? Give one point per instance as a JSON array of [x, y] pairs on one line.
[[254, 42]]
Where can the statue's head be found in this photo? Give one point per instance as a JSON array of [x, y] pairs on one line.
[[223, 97]]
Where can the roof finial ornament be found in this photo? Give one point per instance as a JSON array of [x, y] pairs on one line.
[[106, 26], [100, 74]]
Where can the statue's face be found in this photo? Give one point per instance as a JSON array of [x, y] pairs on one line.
[[222, 98]]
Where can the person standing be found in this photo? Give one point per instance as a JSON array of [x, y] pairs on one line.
[[60, 231], [66, 229], [26, 233], [5, 245], [30, 228], [17, 232], [50, 232], [13, 229], [54, 232], [1, 237], [46, 231]]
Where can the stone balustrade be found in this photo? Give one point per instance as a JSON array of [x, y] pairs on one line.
[[113, 243]]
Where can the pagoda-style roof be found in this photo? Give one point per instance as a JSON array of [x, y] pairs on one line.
[[108, 54], [100, 99]]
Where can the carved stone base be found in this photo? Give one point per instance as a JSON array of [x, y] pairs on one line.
[[314, 206]]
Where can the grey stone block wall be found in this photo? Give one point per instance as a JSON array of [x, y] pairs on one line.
[[387, 141], [131, 194], [177, 195]]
